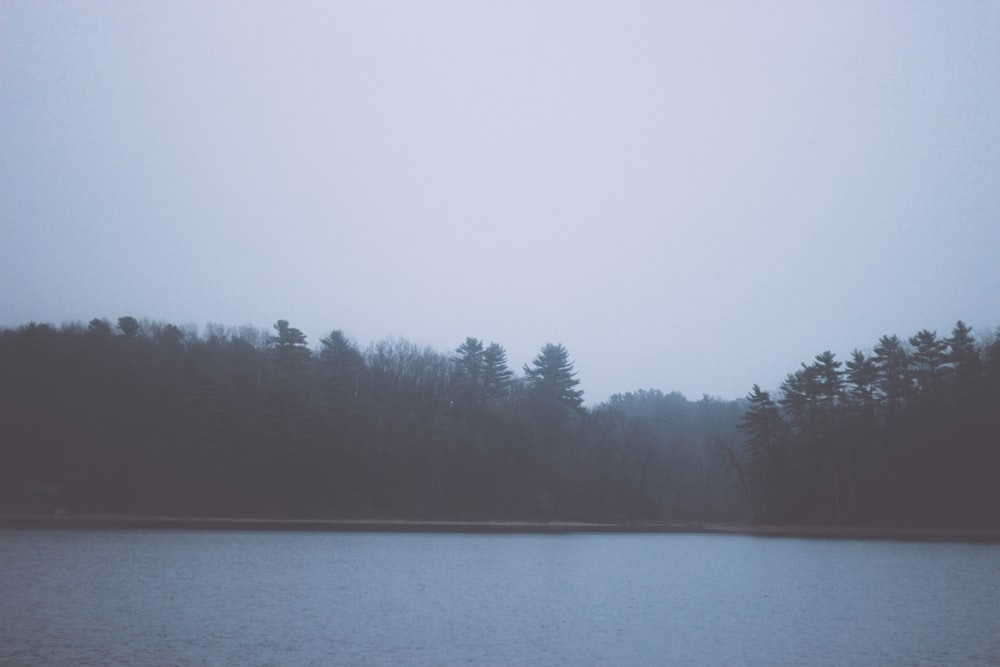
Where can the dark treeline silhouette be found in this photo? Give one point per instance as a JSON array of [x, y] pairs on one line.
[[147, 417], [908, 434]]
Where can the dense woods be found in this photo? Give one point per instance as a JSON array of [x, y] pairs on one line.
[[146, 417], [908, 434], [153, 418]]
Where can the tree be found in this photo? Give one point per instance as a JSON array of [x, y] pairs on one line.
[[340, 369], [288, 359], [966, 366], [554, 404], [829, 380], [800, 396], [341, 365], [891, 362], [470, 363], [552, 379], [928, 359], [99, 327], [129, 326], [991, 368], [961, 346], [289, 428], [829, 387], [468, 380], [859, 431], [761, 423], [812, 398], [169, 335], [496, 375], [289, 339], [861, 378]]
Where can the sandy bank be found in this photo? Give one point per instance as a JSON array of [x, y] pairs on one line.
[[551, 527], [866, 533], [334, 525]]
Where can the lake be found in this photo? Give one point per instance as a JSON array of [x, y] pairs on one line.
[[171, 597]]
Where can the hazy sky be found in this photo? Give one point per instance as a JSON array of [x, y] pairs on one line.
[[690, 196]]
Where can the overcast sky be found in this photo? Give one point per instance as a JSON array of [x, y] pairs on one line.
[[690, 196]]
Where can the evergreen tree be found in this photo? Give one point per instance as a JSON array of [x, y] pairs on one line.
[[965, 364], [761, 422], [289, 343], [861, 378], [552, 379], [289, 423], [928, 359], [834, 455], [991, 370], [496, 375], [470, 363], [892, 363], [829, 380], [341, 365], [470, 366], [800, 397]]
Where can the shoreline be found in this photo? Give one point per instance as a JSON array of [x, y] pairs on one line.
[[136, 522]]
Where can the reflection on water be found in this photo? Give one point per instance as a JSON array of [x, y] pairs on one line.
[[260, 598]]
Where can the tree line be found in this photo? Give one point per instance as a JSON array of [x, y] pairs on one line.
[[149, 417], [908, 434]]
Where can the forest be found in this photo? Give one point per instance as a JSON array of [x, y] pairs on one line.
[[143, 417], [908, 434], [146, 417]]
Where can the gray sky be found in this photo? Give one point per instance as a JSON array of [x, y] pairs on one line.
[[691, 196]]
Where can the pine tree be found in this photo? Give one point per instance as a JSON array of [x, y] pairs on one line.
[[496, 375], [761, 422], [552, 379], [340, 368], [965, 366], [470, 365], [861, 378], [892, 364], [928, 358]]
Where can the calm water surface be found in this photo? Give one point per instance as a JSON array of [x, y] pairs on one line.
[[260, 598]]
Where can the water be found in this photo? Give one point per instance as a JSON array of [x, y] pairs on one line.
[[261, 598]]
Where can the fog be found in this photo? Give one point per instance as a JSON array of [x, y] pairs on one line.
[[688, 196]]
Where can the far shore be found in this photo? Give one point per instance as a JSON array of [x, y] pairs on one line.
[[108, 521]]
